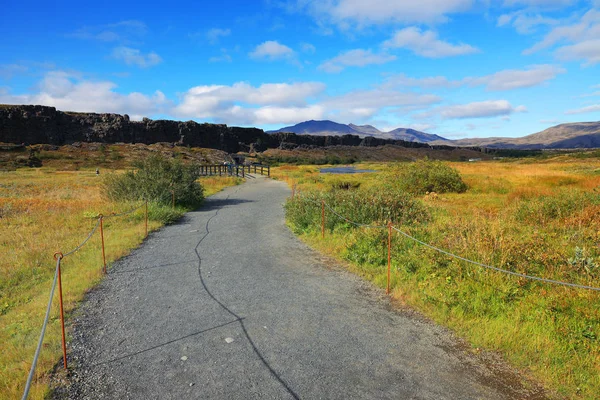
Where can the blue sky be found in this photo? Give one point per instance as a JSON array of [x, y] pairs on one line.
[[457, 68]]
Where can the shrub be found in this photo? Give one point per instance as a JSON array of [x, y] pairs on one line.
[[360, 206], [155, 179], [427, 176]]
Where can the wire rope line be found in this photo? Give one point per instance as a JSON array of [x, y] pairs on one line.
[[85, 241], [532, 277], [125, 212], [41, 339], [354, 223], [505, 271]]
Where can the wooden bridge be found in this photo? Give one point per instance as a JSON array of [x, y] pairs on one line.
[[234, 170]]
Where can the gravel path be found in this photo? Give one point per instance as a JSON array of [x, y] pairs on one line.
[[228, 304]]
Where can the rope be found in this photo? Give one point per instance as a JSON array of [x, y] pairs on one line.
[[39, 346], [535, 278], [532, 277], [352, 222], [85, 241], [124, 213]]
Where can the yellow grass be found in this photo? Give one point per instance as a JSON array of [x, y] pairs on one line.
[[43, 211], [548, 331]]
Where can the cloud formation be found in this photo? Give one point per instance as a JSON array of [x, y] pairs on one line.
[[579, 41], [374, 12], [121, 31], [588, 109], [7, 71], [426, 44], [135, 57], [508, 79], [355, 58], [480, 109], [213, 35], [68, 91], [272, 50]]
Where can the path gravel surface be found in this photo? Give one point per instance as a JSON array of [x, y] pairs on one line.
[[229, 304]]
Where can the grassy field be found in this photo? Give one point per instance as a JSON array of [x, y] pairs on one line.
[[42, 211], [537, 216]]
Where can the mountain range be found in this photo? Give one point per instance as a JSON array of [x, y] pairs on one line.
[[563, 136], [330, 128]]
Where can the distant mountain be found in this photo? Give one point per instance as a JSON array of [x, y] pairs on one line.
[[318, 128], [412, 135], [366, 129], [327, 128], [564, 136]]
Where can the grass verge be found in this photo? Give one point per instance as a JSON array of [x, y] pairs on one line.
[[539, 217], [43, 211]]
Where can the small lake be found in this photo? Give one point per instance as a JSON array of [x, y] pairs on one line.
[[344, 170]]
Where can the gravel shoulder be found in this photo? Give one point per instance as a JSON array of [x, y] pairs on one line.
[[229, 304]]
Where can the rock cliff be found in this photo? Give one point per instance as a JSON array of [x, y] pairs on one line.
[[33, 124]]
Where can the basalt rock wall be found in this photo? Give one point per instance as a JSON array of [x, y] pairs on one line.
[[31, 124]]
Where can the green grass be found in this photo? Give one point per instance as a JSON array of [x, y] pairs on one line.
[[538, 218]]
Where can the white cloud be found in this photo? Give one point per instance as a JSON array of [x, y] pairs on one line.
[[481, 109], [135, 57], [508, 79], [525, 22], [515, 79], [308, 48], [402, 80], [426, 44], [7, 71], [539, 3], [588, 50], [272, 50], [243, 103], [364, 13], [287, 115], [580, 41], [355, 58], [213, 35], [237, 104], [281, 103], [70, 92], [119, 31], [588, 109], [224, 57], [593, 94], [362, 104]]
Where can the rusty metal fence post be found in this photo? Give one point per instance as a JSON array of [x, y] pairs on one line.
[[58, 257], [389, 266], [322, 219], [102, 236]]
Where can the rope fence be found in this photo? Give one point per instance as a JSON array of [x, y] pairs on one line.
[[59, 256], [390, 227]]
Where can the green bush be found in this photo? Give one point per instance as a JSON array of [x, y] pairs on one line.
[[426, 176], [155, 179], [565, 203], [360, 206]]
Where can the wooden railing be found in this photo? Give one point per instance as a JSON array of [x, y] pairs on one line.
[[234, 170]]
